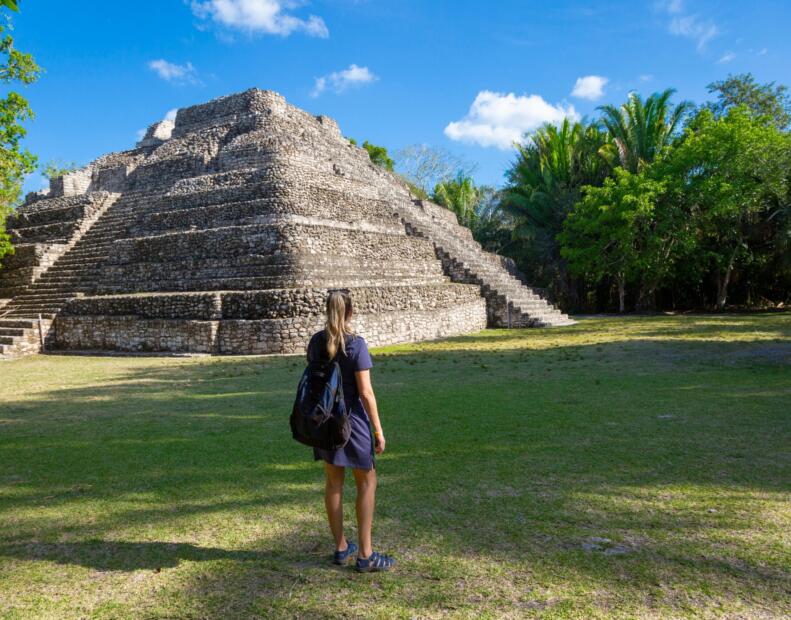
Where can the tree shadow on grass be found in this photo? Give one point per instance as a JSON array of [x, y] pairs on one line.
[[510, 456], [127, 556]]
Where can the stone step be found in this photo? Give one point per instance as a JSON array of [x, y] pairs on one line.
[[7, 323], [31, 305], [34, 293], [11, 331], [94, 237], [41, 301], [466, 259], [55, 287], [33, 312], [76, 262], [89, 251], [22, 314], [63, 283], [65, 287], [46, 299]]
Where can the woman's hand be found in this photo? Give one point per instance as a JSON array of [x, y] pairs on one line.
[[379, 442]]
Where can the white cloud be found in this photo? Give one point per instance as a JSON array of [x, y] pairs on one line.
[[691, 27], [141, 133], [688, 25], [259, 16], [646, 77], [763, 51], [590, 87], [674, 6], [174, 73], [497, 119], [726, 57], [339, 81]]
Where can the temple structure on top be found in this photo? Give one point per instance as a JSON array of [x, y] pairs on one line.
[[221, 233]]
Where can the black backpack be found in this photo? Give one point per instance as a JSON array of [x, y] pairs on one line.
[[319, 417]]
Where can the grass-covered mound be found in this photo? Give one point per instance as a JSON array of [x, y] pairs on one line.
[[620, 468]]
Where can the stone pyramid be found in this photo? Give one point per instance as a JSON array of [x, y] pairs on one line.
[[221, 232]]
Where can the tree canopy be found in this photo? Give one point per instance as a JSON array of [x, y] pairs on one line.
[[762, 100], [544, 184], [55, 168], [16, 69], [657, 204]]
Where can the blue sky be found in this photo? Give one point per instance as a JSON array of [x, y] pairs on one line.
[[465, 75]]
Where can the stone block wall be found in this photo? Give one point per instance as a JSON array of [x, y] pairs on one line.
[[284, 321]]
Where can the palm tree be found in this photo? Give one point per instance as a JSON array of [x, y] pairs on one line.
[[642, 129], [459, 195], [544, 184]]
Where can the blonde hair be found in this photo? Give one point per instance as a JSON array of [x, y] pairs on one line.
[[339, 311]]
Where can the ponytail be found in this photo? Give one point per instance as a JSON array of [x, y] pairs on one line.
[[339, 311]]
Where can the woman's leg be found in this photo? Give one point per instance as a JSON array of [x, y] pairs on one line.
[[333, 501], [366, 498]]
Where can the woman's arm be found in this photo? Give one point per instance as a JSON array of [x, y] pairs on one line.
[[363, 379]]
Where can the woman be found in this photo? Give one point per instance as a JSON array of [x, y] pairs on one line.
[[338, 341]]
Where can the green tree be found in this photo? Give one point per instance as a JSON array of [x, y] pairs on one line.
[[641, 130], [492, 226], [612, 233], [15, 162], [378, 154], [460, 196], [733, 173], [544, 183], [54, 168], [763, 100]]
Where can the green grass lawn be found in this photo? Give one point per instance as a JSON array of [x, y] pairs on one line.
[[620, 468]]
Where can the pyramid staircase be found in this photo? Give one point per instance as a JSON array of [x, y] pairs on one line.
[[26, 320], [510, 303]]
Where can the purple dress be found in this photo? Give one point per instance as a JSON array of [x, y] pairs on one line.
[[358, 452]]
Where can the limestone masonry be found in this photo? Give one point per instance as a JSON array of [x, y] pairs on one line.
[[222, 232]]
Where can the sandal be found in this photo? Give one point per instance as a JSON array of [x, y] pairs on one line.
[[375, 562], [340, 557]]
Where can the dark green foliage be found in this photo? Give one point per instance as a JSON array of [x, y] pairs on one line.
[[492, 226], [544, 184], [641, 215], [616, 231], [15, 162], [732, 176]]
